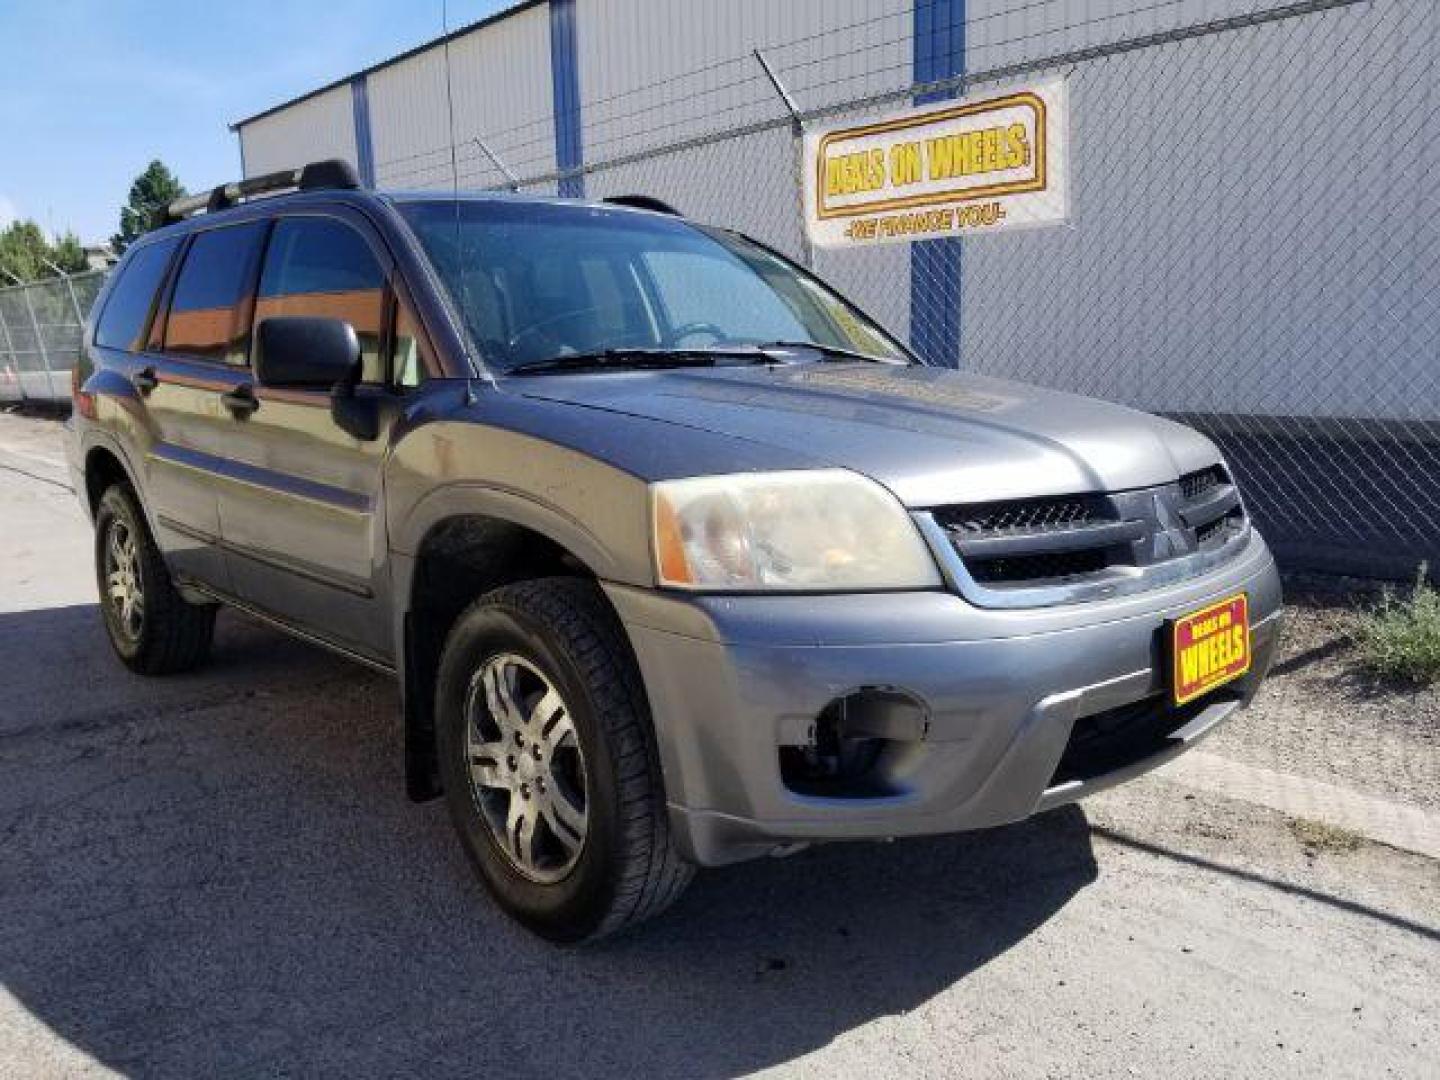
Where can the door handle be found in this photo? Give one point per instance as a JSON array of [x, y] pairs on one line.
[[145, 380], [241, 401]]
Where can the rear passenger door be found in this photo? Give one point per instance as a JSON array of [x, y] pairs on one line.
[[303, 523], [191, 367]]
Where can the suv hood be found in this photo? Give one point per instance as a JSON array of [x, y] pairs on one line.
[[931, 435]]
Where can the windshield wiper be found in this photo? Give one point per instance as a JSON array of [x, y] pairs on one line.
[[643, 358], [831, 351]]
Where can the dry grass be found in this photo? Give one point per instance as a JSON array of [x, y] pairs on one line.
[[1317, 836]]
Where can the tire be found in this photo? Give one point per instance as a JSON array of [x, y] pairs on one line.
[[169, 634], [555, 634]]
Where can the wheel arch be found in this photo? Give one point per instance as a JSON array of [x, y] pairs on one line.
[[105, 465], [480, 540]]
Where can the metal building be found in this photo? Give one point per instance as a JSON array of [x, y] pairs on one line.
[[1253, 236]]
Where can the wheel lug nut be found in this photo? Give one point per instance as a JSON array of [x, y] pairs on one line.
[[510, 763], [537, 753], [519, 739], [524, 791]]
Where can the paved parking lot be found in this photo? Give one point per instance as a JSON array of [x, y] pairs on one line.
[[219, 874]]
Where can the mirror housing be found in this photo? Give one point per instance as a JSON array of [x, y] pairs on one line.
[[305, 351]]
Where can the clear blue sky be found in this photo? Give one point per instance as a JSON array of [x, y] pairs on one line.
[[92, 90]]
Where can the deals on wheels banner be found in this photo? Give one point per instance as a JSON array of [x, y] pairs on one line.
[[978, 164]]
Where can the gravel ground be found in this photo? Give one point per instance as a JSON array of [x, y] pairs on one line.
[[1320, 716]]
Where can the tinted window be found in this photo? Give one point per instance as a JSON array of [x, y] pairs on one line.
[[123, 320], [208, 315], [320, 266]]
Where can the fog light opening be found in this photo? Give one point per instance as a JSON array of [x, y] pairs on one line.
[[853, 743]]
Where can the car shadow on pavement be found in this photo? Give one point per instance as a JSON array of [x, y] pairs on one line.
[[219, 874]]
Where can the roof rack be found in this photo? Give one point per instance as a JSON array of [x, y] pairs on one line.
[[644, 202], [331, 173]]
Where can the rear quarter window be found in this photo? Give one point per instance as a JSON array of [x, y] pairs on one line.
[[127, 309]]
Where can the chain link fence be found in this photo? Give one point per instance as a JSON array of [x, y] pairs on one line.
[[1252, 247], [40, 328]]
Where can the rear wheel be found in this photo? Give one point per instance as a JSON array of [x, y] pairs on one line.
[[152, 628], [549, 765]]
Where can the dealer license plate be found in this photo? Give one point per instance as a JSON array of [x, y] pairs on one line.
[[1209, 648]]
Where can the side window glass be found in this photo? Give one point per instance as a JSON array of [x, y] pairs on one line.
[[408, 362], [320, 266], [128, 306], [209, 312]]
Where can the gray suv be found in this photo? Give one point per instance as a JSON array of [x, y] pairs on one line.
[[678, 557]]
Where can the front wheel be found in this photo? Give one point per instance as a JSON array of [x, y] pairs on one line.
[[152, 628], [549, 765]]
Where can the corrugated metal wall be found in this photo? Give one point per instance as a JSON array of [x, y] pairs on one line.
[[635, 94], [501, 92], [316, 128]]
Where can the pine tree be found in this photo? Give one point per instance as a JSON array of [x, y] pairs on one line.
[[153, 189]]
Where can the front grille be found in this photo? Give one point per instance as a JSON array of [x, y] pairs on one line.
[[1195, 484], [1024, 514], [1087, 537], [1032, 568], [1214, 532]]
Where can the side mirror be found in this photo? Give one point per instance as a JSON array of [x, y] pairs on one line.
[[306, 351]]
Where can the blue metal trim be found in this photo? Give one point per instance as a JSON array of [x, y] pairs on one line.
[[565, 87], [938, 38], [360, 110]]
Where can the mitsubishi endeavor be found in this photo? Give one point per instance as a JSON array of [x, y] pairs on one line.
[[678, 557]]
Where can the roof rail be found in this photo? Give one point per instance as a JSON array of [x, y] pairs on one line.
[[331, 173], [644, 202]]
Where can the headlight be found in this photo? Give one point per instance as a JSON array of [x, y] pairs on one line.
[[826, 529]]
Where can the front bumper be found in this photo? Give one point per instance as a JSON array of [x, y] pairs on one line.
[[732, 679]]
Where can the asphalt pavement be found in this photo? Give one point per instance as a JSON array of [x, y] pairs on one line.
[[218, 874]]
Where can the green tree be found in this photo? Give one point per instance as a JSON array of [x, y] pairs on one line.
[[26, 253], [69, 253], [152, 190]]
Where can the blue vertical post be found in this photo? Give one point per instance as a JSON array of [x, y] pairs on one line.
[[935, 293], [360, 112], [565, 88]]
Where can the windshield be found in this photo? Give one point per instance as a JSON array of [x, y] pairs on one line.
[[538, 281]]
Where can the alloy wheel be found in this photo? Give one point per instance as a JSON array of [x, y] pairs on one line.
[[123, 584], [526, 767]]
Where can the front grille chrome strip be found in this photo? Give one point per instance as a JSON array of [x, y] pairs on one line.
[[1047, 541], [1113, 582]]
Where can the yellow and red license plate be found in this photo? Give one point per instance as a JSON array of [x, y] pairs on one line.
[[1209, 648]]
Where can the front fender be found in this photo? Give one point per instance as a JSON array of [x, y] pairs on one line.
[[595, 510]]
